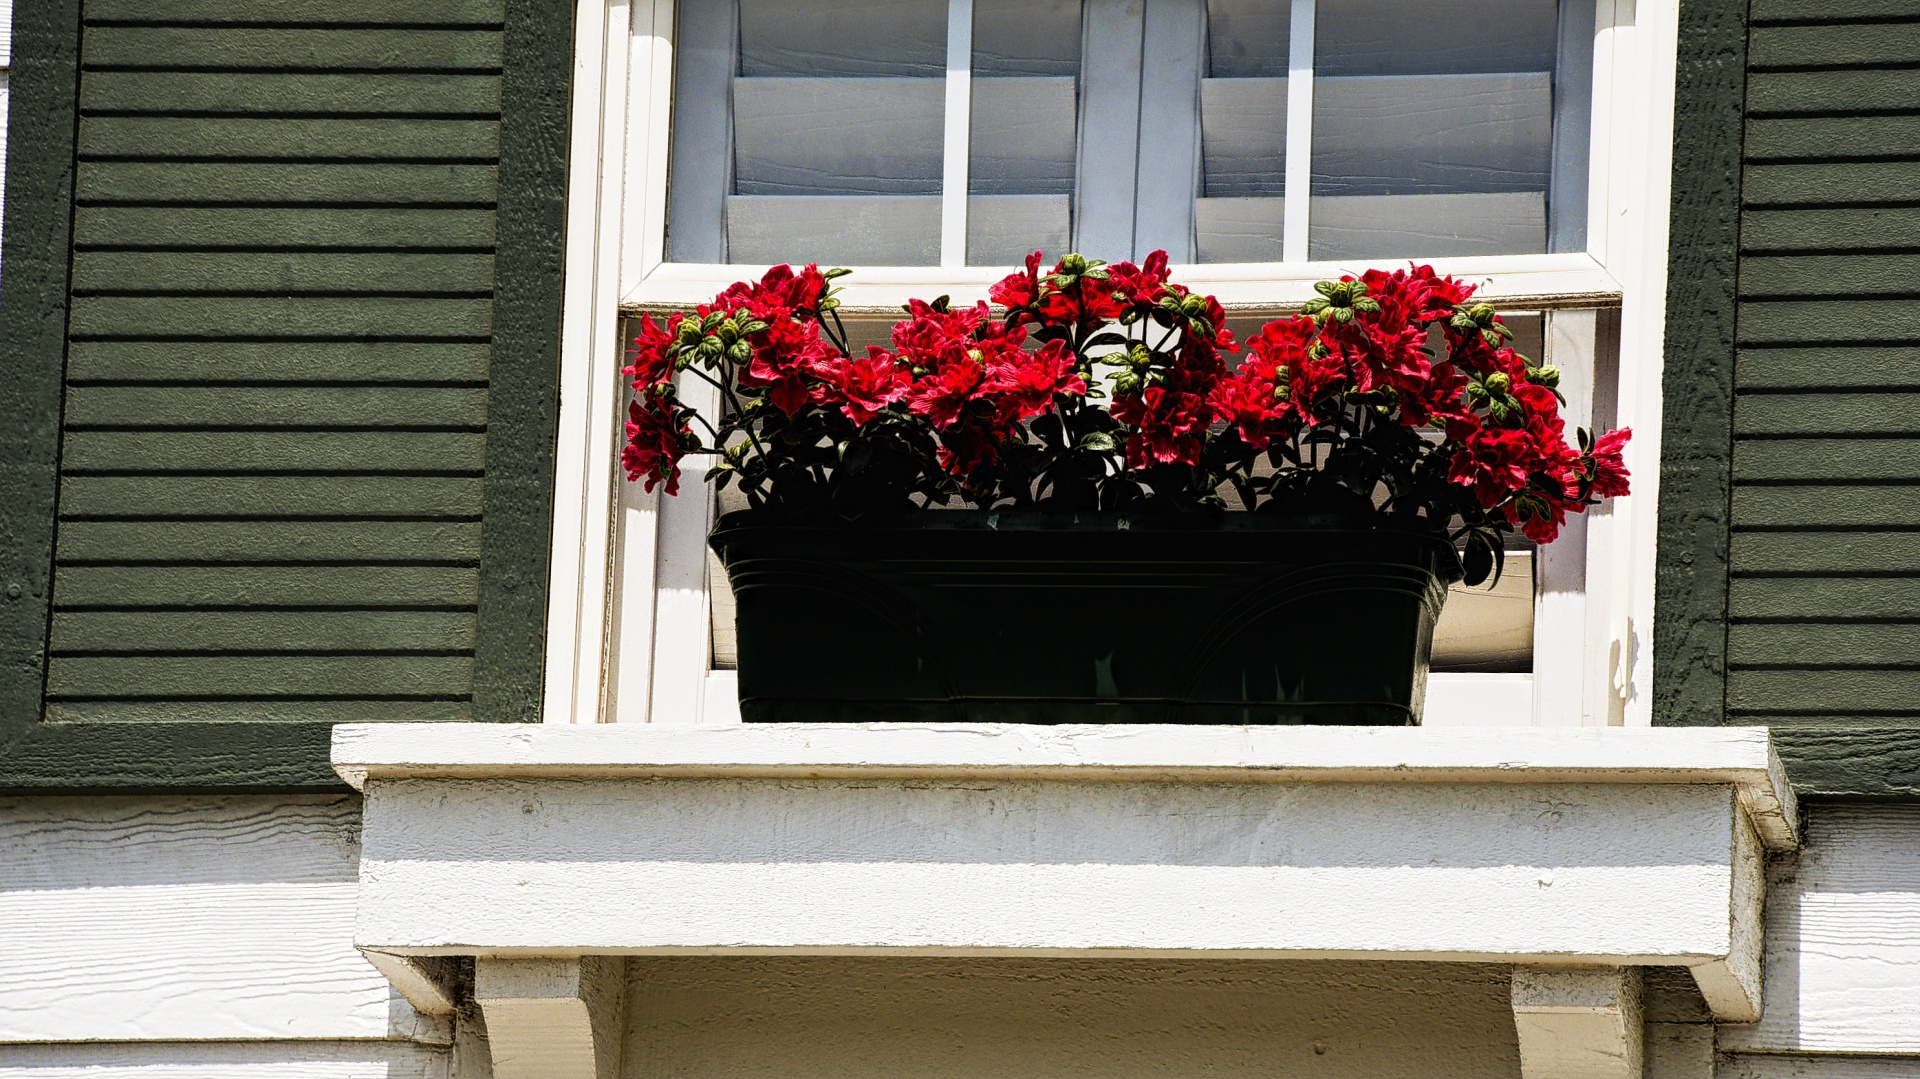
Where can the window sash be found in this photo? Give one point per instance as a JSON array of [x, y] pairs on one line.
[[618, 605], [1141, 89]]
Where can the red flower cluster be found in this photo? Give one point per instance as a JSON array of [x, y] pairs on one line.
[[1169, 407], [975, 382], [1368, 336], [961, 396]]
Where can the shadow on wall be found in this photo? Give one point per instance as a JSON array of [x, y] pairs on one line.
[[896, 1017]]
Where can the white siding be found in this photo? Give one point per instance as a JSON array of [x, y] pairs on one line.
[[224, 1060], [1818, 1067], [128, 919], [1842, 942]]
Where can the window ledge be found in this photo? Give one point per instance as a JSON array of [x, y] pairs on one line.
[[1514, 282], [1610, 847]]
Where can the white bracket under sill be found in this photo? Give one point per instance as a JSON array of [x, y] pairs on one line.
[[552, 1018], [1560, 847], [1578, 1023]]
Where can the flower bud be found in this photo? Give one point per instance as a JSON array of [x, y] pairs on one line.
[[1547, 376], [1498, 382], [1073, 264]]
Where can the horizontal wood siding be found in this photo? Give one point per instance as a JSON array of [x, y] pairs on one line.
[[1824, 605], [279, 341]]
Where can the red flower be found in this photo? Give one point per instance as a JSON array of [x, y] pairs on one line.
[[657, 438], [1016, 291], [1492, 461], [944, 393], [783, 353], [1025, 383], [1606, 469], [650, 366], [1539, 515], [1443, 293], [779, 293], [1246, 399], [861, 387], [969, 448], [1169, 427], [1140, 284], [928, 338]]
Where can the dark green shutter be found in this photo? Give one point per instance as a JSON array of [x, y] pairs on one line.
[[1790, 502], [281, 304]]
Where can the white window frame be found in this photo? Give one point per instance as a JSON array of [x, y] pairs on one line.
[[629, 614]]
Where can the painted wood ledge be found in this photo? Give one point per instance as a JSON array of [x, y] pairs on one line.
[[1538, 848], [1742, 758]]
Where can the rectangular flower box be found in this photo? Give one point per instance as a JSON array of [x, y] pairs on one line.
[[978, 616]]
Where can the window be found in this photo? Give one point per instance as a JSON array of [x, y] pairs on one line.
[[843, 133], [1267, 144]]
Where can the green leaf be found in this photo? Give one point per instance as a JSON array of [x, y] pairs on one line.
[[1099, 442], [1476, 560]]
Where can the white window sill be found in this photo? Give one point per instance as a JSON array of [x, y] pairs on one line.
[[1612, 847], [1514, 282]]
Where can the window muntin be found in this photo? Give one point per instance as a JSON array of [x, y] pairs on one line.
[[828, 132]]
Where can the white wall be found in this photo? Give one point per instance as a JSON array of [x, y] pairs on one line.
[[224, 1060], [907, 1018], [141, 920], [1842, 969]]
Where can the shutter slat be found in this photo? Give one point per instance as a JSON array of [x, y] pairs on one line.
[[1832, 138], [274, 406], [269, 541], [1865, 229], [159, 182], [1882, 459], [262, 631], [282, 271], [1826, 552], [1825, 597], [276, 361], [389, 228], [270, 496], [1866, 691], [319, 451], [1793, 644], [1859, 43], [271, 316], [209, 588], [1890, 367], [1854, 183], [1828, 414], [258, 711], [278, 48], [1826, 506], [283, 92], [305, 138], [70, 677], [1829, 91], [414, 12]]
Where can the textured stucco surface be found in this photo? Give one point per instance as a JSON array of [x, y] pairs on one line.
[[705, 1017]]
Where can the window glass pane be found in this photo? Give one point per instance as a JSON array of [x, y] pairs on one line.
[[1434, 127], [808, 132], [1025, 122], [1243, 132]]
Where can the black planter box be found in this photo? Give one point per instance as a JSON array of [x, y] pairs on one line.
[[978, 616]]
